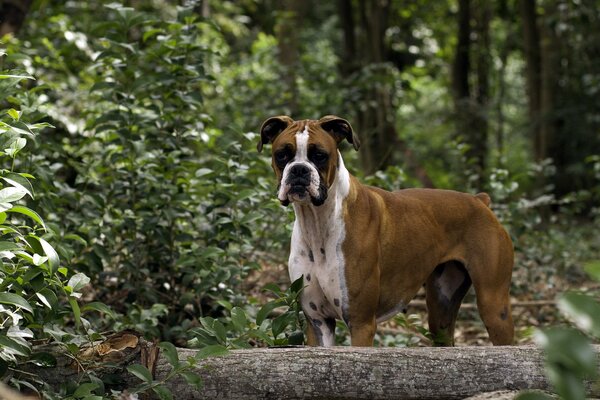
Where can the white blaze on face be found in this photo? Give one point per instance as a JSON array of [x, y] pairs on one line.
[[301, 157]]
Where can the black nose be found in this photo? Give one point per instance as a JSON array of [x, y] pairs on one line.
[[300, 171]]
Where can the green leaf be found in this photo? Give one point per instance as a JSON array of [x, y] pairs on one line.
[[267, 309], [584, 311], [39, 260], [9, 246], [14, 346], [8, 76], [192, 379], [85, 389], [76, 310], [568, 348], [203, 172], [100, 307], [44, 300], [297, 285], [170, 353], [220, 332], [281, 322], [16, 146], [163, 392], [78, 281], [593, 270], [53, 260], [49, 296], [141, 372], [215, 350], [15, 300], [11, 194], [30, 213], [19, 181], [14, 114], [5, 207], [238, 318]]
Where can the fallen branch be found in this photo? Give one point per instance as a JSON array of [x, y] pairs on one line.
[[473, 306], [345, 372]]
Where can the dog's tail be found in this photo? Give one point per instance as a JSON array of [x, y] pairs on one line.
[[484, 198]]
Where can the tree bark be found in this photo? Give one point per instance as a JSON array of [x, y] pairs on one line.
[[287, 30], [347, 373], [533, 73], [479, 135], [549, 78]]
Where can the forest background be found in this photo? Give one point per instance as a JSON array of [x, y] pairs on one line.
[[132, 195]]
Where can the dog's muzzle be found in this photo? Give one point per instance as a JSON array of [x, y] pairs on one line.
[[301, 185]]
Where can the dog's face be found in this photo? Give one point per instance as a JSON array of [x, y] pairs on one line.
[[305, 156]]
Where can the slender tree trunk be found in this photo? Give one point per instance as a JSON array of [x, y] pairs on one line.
[[461, 88], [549, 77], [287, 31], [505, 47], [471, 103], [533, 75], [479, 133], [461, 64], [12, 15], [350, 63]]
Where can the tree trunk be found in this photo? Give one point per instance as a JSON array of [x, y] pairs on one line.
[[343, 373], [465, 106], [549, 77], [533, 73], [478, 140], [287, 29], [12, 15]]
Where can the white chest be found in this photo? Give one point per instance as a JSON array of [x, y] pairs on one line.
[[316, 253], [318, 257]]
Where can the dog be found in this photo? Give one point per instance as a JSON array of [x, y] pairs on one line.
[[364, 252]]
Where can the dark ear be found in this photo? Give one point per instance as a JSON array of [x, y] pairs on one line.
[[271, 128], [340, 129]]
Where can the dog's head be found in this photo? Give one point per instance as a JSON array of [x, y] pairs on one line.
[[305, 156]]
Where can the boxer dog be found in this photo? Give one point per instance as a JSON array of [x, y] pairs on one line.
[[364, 252]]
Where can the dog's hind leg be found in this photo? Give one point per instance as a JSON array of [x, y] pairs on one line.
[[492, 288], [445, 289]]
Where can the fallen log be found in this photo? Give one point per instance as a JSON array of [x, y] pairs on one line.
[[344, 372]]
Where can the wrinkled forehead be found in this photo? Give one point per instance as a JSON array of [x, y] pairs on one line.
[[316, 135]]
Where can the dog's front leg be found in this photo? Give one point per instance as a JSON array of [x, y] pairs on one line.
[[363, 333], [320, 332]]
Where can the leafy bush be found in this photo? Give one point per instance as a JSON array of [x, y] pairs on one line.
[[267, 328], [34, 286], [149, 199]]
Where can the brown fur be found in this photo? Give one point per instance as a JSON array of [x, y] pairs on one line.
[[395, 241]]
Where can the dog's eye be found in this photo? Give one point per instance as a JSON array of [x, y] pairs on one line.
[[281, 157], [320, 157]]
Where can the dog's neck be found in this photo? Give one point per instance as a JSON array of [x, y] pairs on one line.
[[317, 224]]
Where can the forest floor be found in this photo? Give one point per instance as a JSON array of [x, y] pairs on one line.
[[533, 306]]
